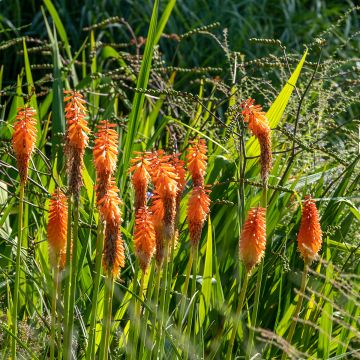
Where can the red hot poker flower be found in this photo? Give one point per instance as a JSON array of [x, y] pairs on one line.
[[253, 238], [57, 228], [197, 161], [23, 140], [310, 234], [197, 212]]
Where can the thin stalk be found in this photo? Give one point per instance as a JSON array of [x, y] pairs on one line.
[[156, 312], [298, 308], [131, 334], [67, 275], [185, 290], [17, 270], [237, 315], [73, 282], [90, 354], [53, 311], [192, 304], [137, 315], [257, 290], [105, 333]]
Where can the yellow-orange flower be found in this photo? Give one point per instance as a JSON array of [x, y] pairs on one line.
[[253, 238], [105, 149], [158, 212], [310, 234], [140, 179], [197, 160], [253, 114], [109, 204], [113, 254], [57, 228], [144, 237], [197, 212], [23, 140]]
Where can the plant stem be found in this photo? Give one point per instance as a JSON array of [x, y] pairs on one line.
[[105, 333], [237, 315], [298, 308], [137, 315], [192, 304], [17, 270], [156, 311], [53, 311], [73, 282], [90, 354]]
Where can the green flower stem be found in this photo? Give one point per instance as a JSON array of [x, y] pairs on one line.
[[137, 315], [17, 270], [90, 353], [237, 315], [53, 311], [298, 308], [106, 326]]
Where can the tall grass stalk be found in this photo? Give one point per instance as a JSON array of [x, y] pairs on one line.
[[73, 284], [155, 327], [236, 321], [90, 353], [53, 310], [137, 316], [298, 308], [257, 289], [17, 269], [106, 326]]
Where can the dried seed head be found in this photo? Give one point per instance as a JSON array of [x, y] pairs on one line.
[[57, 228], [140, 179], [310, 234], [105, 149], [113, 254], [253, 238], [196, 161], [144, 237], [265, 156], [197, 212], [23, 140], [253, 114]]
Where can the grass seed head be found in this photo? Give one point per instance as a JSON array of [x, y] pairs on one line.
[[23, 140]]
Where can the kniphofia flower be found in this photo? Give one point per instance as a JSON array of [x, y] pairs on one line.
[[253, 238], [144, 237], [197, 160], [197, 212], [140, 178], [57, 228], [310, 234], [259, 126], [109, 204], [157, 210], [76, 138], [23, 140]]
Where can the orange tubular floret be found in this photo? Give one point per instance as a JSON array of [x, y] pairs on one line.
[[158, 212], [253, 114], [197, 160], [310, 234], [144, 237], [109, 204], [140, 179], [179, 166], [57, 227], [23, 140], [75, 113], [197, 212], [105, 149], [253, 238]]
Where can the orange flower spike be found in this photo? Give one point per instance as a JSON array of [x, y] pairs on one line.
[[158, 212], [310, 234], [57, 227], [179, 166], [75, 113], [109, 204], [144, 237], [253, 114], [253, 238], [197, 212], [23, 140], [197, 160], [113, 253], [105, 149], [140, 179]]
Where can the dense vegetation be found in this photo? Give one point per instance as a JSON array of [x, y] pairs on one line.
[[166, 77]]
